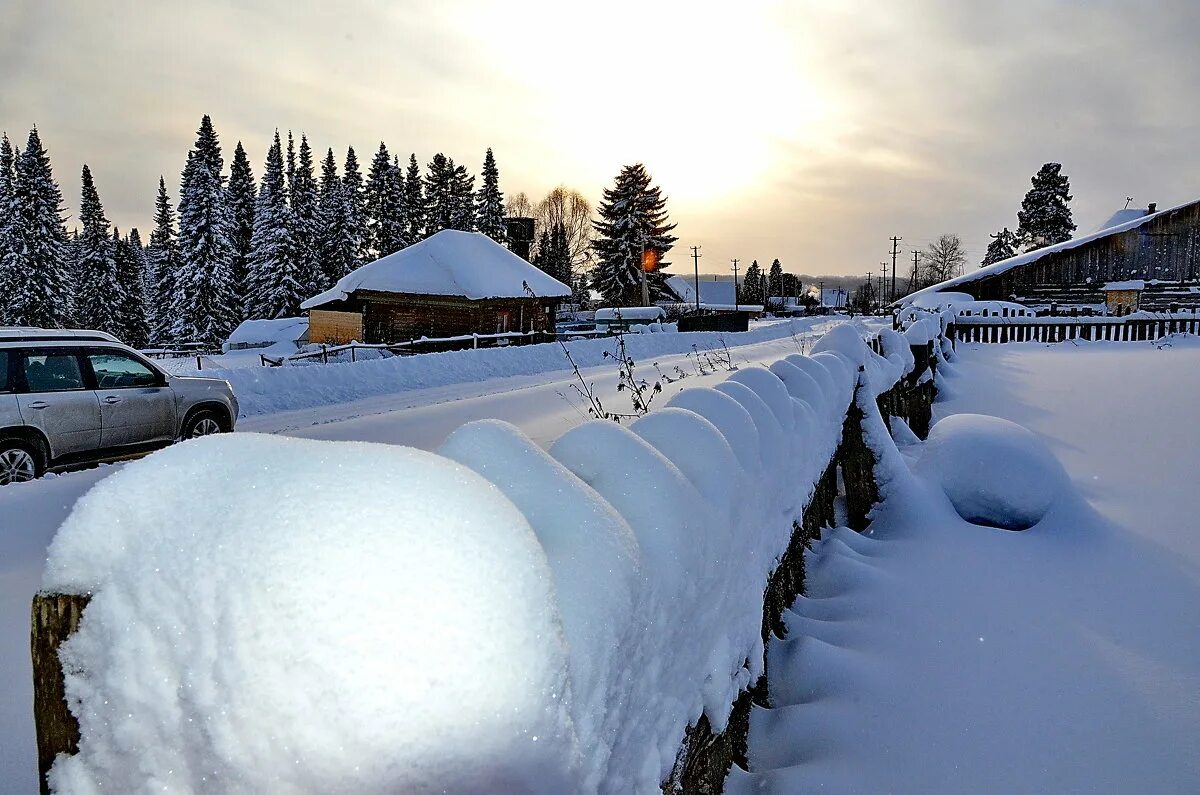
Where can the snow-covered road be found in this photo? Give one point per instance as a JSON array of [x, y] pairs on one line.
[[932, 655], [542, 404]]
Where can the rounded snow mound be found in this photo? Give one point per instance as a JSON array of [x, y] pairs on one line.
[[284, 615], [995, 472]]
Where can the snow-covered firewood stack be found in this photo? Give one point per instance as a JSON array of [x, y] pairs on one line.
[[271, 614]]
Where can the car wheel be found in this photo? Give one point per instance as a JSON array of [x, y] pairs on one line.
[[19, 461], [203, 423]]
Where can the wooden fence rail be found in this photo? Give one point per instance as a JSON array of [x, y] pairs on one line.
[[706, 756], [1000, 330]]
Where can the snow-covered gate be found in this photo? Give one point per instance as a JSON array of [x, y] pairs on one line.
[[642, 668]]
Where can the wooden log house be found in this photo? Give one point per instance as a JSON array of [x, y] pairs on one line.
[[452, 284], [1148, 260]]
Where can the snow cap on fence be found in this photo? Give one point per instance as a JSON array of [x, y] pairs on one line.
[[271, 614], [592, 553], [730, 417]]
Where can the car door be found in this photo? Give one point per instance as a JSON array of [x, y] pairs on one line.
[[10, 412], [136, 405], [54, 398]]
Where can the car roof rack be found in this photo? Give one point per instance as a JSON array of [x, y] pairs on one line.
[[30, 334]]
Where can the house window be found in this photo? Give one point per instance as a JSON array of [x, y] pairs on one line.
[[503, 318]]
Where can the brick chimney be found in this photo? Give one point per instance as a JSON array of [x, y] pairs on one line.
[[1152, 208]]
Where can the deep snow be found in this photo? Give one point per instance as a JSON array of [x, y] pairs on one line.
[[933, 655], [401, 410]]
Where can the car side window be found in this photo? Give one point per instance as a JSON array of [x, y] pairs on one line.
[[4, 385], [51, 371], [115, 370]]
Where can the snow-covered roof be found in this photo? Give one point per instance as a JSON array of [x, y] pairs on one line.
[[712, 291], [1131, 284], [629, 313], [1006, 265], [835, 297], [451, 262], [269, 332], [1122, 217]]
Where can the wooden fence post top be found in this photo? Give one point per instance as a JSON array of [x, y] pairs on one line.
[[54, 617]]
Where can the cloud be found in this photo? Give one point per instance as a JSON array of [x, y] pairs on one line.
[[808, 131]]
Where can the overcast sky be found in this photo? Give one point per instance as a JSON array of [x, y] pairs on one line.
[[808, 131]]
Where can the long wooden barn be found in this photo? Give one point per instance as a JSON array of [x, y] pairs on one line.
[[1147, 260], [453, 283]]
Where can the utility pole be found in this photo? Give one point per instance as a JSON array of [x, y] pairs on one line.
[[735, 289], [895, 251], [696, 255], [915, 281], [883, 283], [645, 282]]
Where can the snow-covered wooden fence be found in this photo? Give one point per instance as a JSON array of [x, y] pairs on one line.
[[767, 443], [1131, 328]]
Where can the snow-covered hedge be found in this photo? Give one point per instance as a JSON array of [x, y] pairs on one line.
[[283, 615]]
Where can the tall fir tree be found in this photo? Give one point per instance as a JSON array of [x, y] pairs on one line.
[[336, 242], [208, 300], [291, 166], [633, 218], [751, 289], [356, 211], [1045, 215], [775, 279], [162, 261], [131, 311], [275, 286], [98, 296], [384, 201], [439, 194], [489, 202], [241, 193], [414, 200], [462, 199], [7, 288], [306, 222], [38, 267], [1004, 245], [141, 255]]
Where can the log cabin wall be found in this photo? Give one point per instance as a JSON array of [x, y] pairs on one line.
[[395, 317], [1165, 249]]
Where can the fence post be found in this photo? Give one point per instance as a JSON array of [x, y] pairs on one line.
[[858, 465], [54, 617]]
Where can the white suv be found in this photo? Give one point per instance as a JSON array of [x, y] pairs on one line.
[[74, 397]]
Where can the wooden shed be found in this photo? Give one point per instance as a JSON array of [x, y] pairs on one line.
[[1160, 250], [451, 284]]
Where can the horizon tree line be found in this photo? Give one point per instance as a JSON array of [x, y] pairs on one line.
[[232, 249]]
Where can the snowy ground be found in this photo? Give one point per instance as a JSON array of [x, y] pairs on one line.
[[937, 656], [398, 410]]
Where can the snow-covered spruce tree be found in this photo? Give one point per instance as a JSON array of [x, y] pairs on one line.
[[140, 255], [1004, 245], [751, 290], [414, 201], [336, 244], [275, 289], [439, 194], [7, 288], [208, 300], [291, 166], [489, 202], [462, 199], [306, 222], [1045, 215], [633, 217], [385, 203], [775, 279], [559, 259], [38, 267], [131, 310], [162, 260], [241, 193], [97, 293], [356, 211]]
